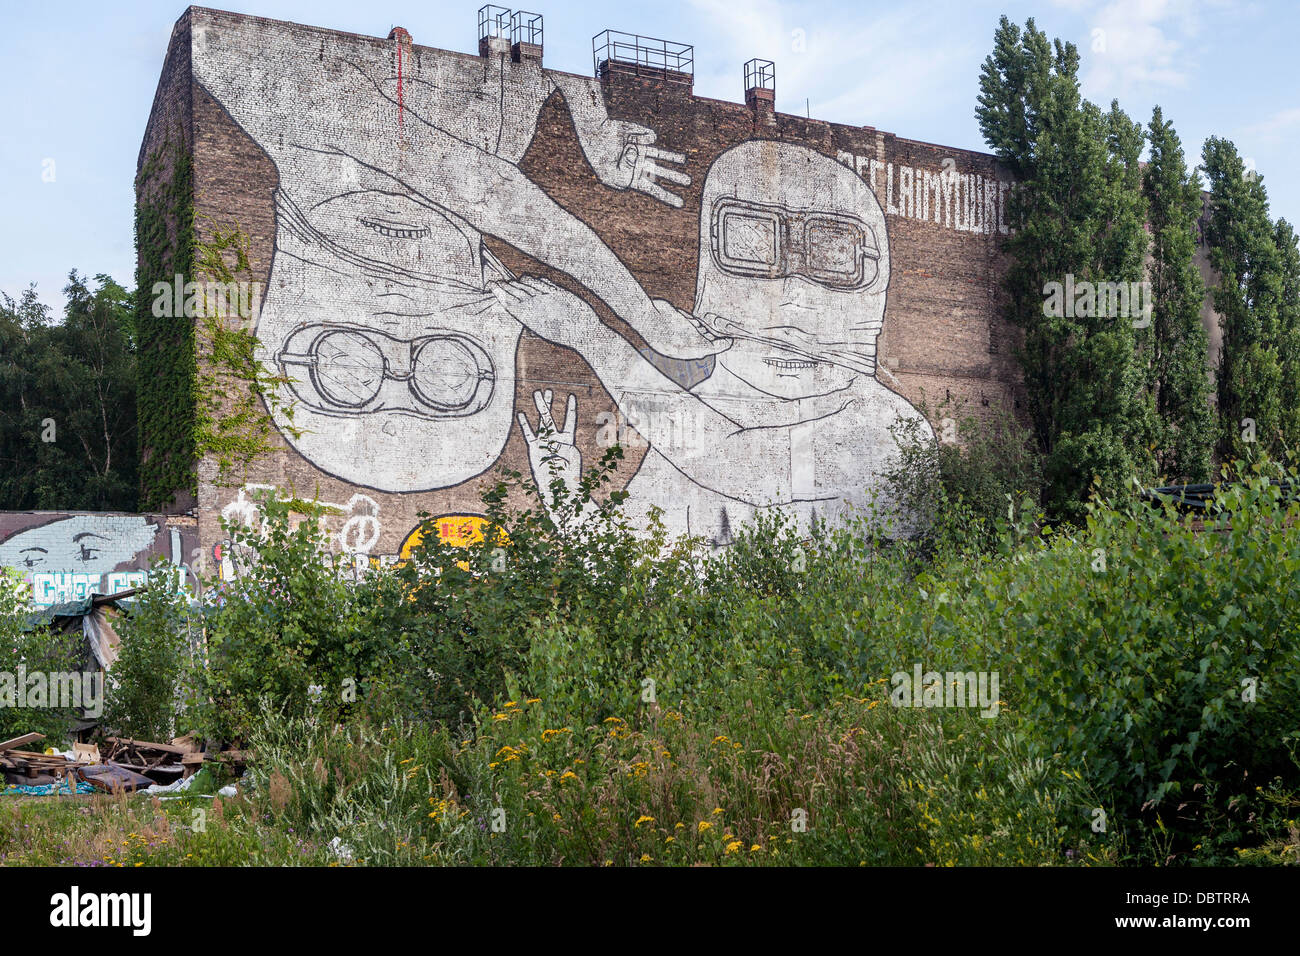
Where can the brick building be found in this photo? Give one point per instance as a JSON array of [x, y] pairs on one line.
[[439, 240]]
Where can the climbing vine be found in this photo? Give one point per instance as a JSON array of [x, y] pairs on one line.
[[167, 371], [202, 390], [237, 393]]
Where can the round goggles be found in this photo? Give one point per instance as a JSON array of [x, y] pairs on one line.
[[354, 370], [773, 242]]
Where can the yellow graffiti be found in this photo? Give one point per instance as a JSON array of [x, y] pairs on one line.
[[459, 531]]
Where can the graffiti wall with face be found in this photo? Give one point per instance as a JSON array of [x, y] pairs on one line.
[[68, 557], [475, 264]]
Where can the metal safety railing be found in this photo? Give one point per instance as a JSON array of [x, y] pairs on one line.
[[493, 22], [760, 75], [613, 51], [526, 27]]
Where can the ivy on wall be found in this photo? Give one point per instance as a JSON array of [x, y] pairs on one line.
[[233, 424], [202, 391], [167, 368]]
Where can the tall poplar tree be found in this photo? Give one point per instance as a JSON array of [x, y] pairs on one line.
[[1077, 211], [1288, 321], [1179, 346], [1244, 252]]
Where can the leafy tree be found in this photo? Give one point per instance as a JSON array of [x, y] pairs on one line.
[[1178, 347], [20, 321], [1288, 318], [1244, 253], [1077, 210], [67, 391]]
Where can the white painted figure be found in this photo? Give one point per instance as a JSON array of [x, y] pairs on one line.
[[403, 363], [793, 269]]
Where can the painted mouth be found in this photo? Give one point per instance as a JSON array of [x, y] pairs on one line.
[[395, 232], [790, 363]]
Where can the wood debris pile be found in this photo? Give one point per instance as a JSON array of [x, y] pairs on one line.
[[118, 763]]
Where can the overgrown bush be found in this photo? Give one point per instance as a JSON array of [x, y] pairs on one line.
[[289, 628], [158, 640], [28, 656], [856, 782], [1160, 656], [561, 665], [959, 486]]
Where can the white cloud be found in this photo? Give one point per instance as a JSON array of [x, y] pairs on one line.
[[872, 70], [1135, 46], [1272, 128]]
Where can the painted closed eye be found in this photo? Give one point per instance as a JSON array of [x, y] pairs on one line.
[[396, 231]]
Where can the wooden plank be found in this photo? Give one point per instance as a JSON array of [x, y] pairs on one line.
[[35, 755], [146, 745], [19, 741]]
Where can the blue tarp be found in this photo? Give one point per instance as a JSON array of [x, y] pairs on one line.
[[46, 790]]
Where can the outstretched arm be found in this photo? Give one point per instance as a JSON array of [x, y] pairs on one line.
[[694, 437], [622, 154], [493, 196]]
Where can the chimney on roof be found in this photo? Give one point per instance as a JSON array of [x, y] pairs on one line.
[[653, 62], [525, 36], [493, 31], [760, 90]]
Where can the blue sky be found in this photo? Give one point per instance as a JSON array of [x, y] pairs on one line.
[[79, 78]]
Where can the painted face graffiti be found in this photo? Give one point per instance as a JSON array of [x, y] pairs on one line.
[[772, 242], [396, 384], [71, 558], [354, 371], [794, 266], [88, 544]]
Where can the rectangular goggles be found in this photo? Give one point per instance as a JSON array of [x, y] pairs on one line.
[[772, 242]]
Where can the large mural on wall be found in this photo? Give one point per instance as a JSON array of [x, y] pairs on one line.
[[378, 305], [398, 329]]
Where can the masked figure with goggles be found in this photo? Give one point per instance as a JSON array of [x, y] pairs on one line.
[[397, 363], [793, 269]]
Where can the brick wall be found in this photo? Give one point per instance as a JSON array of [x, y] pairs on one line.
[[378, 232]]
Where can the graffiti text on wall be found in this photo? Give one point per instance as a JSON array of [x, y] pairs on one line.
[[966, 202], [71, 558]]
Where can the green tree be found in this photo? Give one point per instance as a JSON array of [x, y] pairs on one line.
[[1078, 215], [1288, 320], [67, 428], [1244, 253], [1179, 346], [20, 321]]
